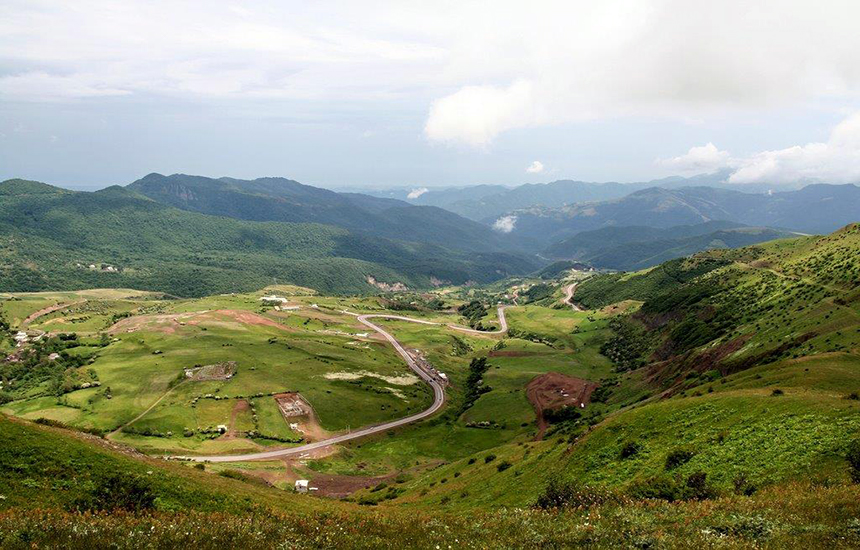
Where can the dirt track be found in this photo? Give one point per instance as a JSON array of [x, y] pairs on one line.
[[552, 391], [568, 297]]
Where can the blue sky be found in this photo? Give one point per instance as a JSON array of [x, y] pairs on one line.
[[345, 94]]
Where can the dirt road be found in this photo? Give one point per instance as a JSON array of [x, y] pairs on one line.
[[568, 297], [437, 383]]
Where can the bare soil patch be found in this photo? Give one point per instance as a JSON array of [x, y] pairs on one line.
[[338, 486], [218, 371], [299, 414], [50, 309], [240, 407], [552, 391]]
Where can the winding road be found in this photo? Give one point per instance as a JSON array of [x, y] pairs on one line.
[[437, 383], [568, 297]]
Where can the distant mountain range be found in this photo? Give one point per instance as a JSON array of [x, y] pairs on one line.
[[50, 238], [193, 235], [630, 248], [812, 209], [488, 202]]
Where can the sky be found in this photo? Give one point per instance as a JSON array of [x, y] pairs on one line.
[[426, 94]]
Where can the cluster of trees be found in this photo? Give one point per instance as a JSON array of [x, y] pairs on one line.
[[475, 386]]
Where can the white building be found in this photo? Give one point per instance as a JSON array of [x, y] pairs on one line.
[[302, 485], [20, 338]]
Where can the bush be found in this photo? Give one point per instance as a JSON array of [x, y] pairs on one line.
[[658, 487], [853, 457], [630, 449], [504, 465], [678, 457], [697, 487], [564, 414], [777, 392], [118, 492], [562, 494], [489, 458]]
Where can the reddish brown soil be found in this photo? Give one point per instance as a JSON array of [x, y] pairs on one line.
[[241, 406], [250, 318], [552, 391], [308, 422], [336, 486], [51, 309]]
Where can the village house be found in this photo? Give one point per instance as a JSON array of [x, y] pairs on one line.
[[302, 485]]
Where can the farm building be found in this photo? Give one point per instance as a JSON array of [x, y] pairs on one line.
[[302, 485]]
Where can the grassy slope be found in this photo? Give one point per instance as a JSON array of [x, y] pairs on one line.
[[45, 470]]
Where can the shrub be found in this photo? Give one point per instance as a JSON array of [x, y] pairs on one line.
[[118, 492], [853, 457], [489, 458], [777, 392], [503, 465], [564, 414], [677, 458], [630, 449], [562, 494], [472, 460], [697, 486], [658, 487]]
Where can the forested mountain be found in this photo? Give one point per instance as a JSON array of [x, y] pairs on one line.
[[637, 247], [49, 238], [284, 200], [813, 209]]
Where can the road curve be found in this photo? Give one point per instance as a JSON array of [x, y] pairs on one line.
[[568, 297], [435, 382]]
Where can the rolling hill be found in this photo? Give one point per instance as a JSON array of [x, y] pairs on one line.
[[51, 236]]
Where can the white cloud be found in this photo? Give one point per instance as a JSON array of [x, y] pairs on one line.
[[535, 167], [835, 161], [571, 61], [505, 224], [415, 193], [698, 160]]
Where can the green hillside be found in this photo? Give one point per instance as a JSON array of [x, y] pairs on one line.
[[632, 248], [283, 200], [723, 411], [49, 237]]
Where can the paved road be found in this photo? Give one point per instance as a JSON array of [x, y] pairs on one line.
[[568, 297], [431, 378]]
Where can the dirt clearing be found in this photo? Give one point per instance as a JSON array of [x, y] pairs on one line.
[[553, 391], [300, 416]]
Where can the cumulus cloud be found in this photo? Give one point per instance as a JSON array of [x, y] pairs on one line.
[[571, 61], [415, 193], [698, 160], [505, 224], [535, 168], [835, 161]]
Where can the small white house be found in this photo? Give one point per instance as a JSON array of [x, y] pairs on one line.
[[222, 428], [302, 485], [20, 338]]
